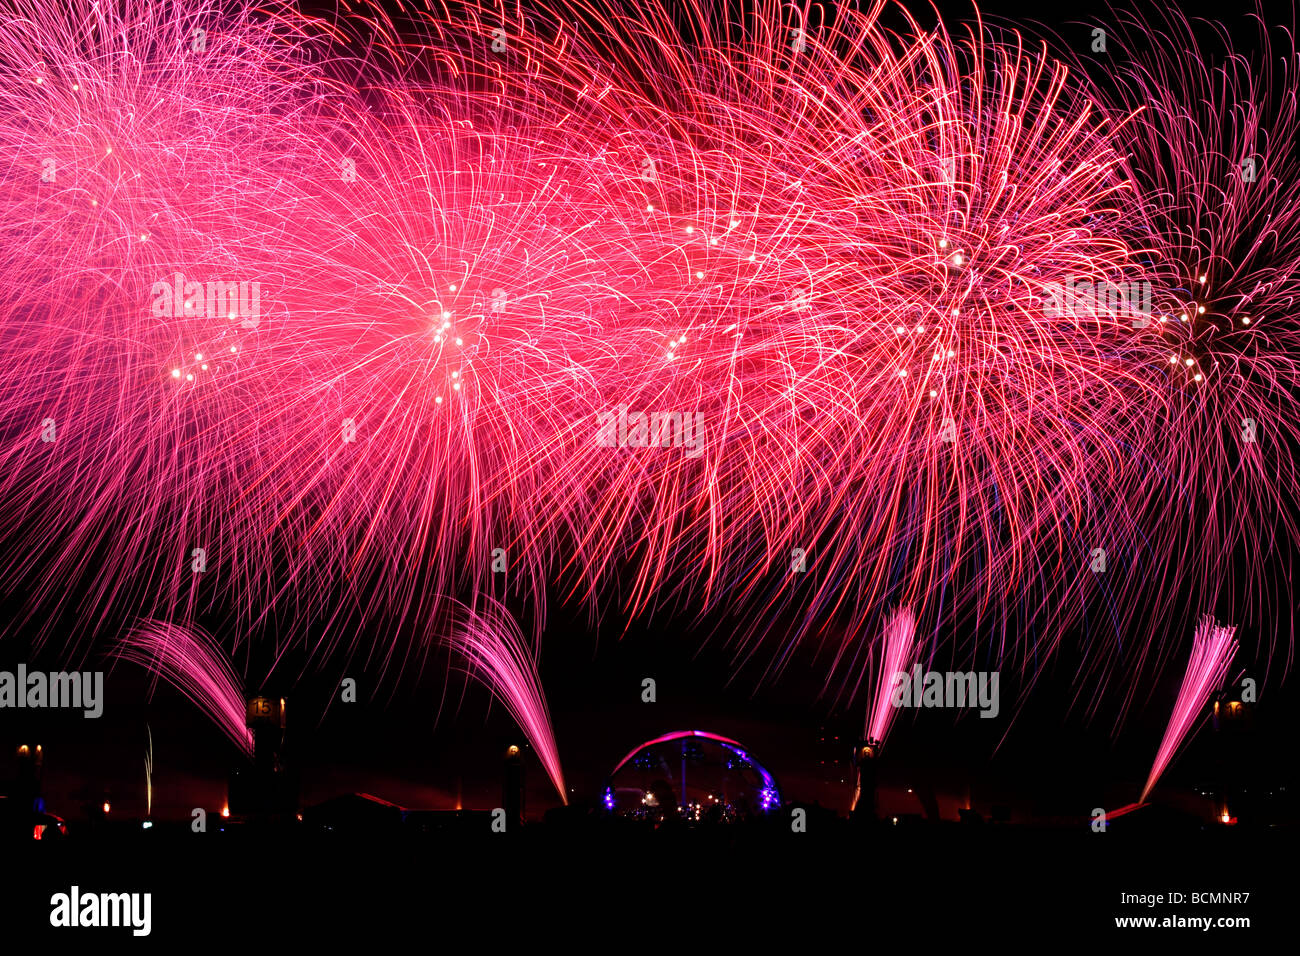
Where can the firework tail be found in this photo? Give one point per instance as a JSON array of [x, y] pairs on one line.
[[896, 650], [194, 663], [498, 655], [1212, 649]]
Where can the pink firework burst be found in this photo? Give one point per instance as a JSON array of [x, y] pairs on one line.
[[1208, 125], [662, 309]]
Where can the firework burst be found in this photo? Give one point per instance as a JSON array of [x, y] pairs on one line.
[[290, 327]]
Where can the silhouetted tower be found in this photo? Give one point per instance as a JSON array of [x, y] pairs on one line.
[[27, 781], [266, 719], [512, 788], [1238, 786], [865, 758], [266, 791]]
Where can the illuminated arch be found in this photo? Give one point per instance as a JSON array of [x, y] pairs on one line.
[[768, 791]]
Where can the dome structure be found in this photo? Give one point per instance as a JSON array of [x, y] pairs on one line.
[[690, 776]]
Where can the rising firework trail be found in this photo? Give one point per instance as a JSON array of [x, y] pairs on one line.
[[896, 653], [194, 663], [499, 656], [1212, 650]]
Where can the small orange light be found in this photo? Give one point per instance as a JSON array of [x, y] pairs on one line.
[[225, 811], [107, 806]]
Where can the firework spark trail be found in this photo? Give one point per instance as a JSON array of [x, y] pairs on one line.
[[896, 654], [499, 656], [834, 255], [193, 662], [1212, 650]]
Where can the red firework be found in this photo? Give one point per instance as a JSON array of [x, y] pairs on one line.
[[753, 320]]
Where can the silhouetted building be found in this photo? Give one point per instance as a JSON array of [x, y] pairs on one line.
[[25, 790], [1238, 787]]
